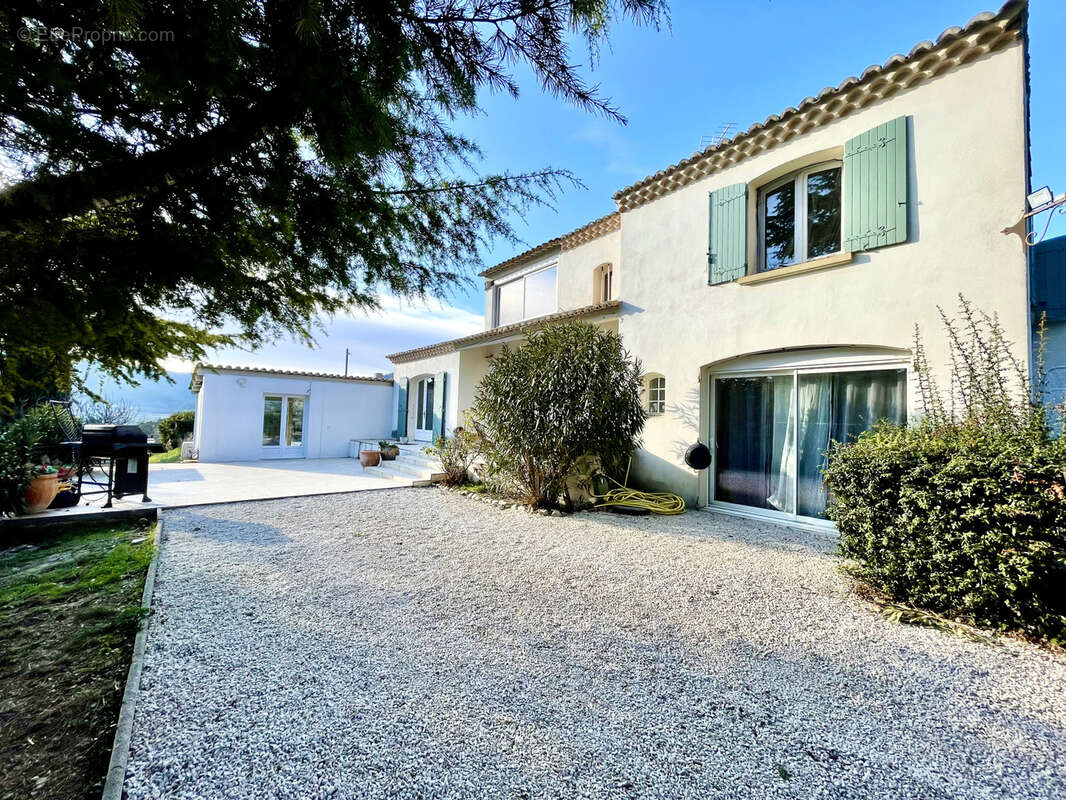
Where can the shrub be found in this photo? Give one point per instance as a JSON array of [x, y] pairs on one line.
[[173, 430], [456, 455], [572, 390], [29, 440], [964, 513]]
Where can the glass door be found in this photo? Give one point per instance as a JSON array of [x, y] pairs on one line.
[[772, 432], [283, 426], [424, 411]]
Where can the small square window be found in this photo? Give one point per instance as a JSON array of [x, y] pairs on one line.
[[657, 395]]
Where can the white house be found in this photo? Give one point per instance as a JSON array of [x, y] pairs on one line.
[[248, 414], [772, 282]]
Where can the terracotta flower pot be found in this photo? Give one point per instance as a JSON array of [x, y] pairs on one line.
[[369, 458], [40, 492]]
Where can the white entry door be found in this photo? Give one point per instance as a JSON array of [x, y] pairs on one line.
[[424, 411], [283, 426]]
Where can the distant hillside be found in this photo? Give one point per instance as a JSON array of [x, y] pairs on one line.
[[151, 400]]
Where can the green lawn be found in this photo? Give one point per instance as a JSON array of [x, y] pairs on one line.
[[169, 457], [69, 610]]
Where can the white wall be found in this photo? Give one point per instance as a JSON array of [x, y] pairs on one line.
[[447, 363], [230, 414], [967, 183]]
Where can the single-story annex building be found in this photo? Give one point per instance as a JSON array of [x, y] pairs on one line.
[[248, 413]]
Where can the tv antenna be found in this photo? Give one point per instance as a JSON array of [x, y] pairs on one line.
[[724, 132]]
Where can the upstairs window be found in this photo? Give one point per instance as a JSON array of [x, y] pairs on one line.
[[655, 392], [531, 295], [603, 283], [800, 217]]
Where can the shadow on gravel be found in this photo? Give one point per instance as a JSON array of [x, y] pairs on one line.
[[729, 528], [220, 529]]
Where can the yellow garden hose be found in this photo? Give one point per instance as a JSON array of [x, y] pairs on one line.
[[624, 497]]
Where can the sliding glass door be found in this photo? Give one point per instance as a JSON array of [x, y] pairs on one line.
[[772, 431]]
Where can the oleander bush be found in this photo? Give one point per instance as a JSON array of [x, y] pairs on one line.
[[570, 391], [964, 513]]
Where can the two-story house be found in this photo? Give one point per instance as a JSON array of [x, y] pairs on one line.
[[771, 284]]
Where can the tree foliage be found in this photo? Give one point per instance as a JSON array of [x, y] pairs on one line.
[[246, 165], [572, 390], [174, 429]]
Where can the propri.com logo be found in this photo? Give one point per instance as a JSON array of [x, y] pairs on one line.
[[42, 33]]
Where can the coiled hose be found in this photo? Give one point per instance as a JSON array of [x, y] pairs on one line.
[[624, 497]]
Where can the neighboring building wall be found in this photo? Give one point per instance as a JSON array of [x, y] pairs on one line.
[[230, 415], [1049, 301], [967, 177]]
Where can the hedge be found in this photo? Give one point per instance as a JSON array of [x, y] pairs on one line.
[[962, 520]]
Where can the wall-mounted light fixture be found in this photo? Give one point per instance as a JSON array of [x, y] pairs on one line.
[[1038, 202]]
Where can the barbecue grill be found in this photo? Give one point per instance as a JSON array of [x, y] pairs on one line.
[[119, 453]]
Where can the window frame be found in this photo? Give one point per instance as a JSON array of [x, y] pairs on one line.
[[515, 279], [796, 367], [604, 282], [650, 391], [800, 221]]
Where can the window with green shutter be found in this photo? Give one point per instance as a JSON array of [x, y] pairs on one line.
[[729, 233], [875, 187]]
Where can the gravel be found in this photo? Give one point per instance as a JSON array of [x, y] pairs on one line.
[[415, 643]]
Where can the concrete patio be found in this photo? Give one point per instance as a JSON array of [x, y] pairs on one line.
[[195, 484]]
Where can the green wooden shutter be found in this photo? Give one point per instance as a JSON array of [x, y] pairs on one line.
[[875, 187], [729, 233], [401, 407], [439, 388]]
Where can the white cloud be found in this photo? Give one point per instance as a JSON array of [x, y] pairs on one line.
[[620, 153], [371, 336]]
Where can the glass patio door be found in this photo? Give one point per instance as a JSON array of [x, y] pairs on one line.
[[772, 432], [283, 426], [424, 411]]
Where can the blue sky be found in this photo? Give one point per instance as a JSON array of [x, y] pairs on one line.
[[720, 62]]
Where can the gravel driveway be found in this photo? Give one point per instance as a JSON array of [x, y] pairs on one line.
[[415, 643]]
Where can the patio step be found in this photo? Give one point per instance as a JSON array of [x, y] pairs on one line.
[[387, 470], [411, 465]]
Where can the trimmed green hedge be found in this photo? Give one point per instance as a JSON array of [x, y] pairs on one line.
[[959, 520]]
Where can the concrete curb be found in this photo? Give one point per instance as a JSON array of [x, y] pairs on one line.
[[120, 749], [110, 515]]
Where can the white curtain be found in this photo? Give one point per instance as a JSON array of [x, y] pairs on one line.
[[783, 448]]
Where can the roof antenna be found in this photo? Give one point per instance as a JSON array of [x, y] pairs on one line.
[[724, 132]]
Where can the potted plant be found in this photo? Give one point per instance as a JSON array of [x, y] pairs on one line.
[[41, 491], [389, 451], [369, 458]]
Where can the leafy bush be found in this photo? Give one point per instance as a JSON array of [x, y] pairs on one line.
[[964, 513], [173, 430], [16, 470], [456, 455], [27, 442], [572, 390]]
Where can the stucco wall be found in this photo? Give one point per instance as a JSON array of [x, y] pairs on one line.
[[413, 370], [230, 415], [967, 183], [578, 265]]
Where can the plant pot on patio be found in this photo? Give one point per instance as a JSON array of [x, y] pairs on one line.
[[40, 492], [389, 451], [369, 458]]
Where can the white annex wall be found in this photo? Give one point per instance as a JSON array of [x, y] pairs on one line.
[[229, 424]]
